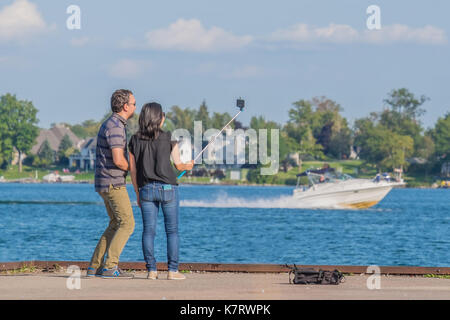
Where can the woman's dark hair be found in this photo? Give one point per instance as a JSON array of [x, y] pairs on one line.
[[149, 121]]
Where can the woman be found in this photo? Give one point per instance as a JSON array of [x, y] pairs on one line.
[[155, 184]]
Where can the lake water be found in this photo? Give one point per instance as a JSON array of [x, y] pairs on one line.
[[232, 224]]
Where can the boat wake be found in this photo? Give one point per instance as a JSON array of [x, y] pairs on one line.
[[282, 202]]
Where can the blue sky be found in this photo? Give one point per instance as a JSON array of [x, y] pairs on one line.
[[272, 53]]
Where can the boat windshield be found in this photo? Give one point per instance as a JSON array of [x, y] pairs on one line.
[[328, 177]]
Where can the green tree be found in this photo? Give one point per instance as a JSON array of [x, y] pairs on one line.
[[299, 129], [65, 144], [6, 147], [441, 136], [405, 103], [46, 155], [255, 176], [425, 147], [403, 114], [219, 120], [388, 138], [88, 128], [78, 130], [20, 118], [168, 125], [396, 149], [287, 145], [381, 146], [182, 118], [369, 137], [341, 143], [65, 149], [330, 128], [319, 128], [203, 115]]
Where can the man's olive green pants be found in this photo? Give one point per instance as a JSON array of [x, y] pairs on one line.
[[121, 226]]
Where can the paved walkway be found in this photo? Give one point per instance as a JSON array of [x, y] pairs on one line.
[[216, 286]]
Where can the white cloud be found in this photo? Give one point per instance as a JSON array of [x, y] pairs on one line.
[[341, 33], [20, 21], [129, 69], [405, 34], [336, 33], [79, 42], [190, 35]]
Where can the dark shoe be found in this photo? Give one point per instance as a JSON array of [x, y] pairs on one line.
[[92, 272], [116, 273]]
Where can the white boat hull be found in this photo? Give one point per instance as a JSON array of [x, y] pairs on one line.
[[355, 194]]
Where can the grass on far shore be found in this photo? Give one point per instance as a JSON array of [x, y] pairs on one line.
[[12, 173], [355, 168]]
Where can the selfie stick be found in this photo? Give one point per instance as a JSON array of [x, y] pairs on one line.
[[240, 103]]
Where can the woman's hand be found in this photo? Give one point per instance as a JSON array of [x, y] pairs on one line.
[[133, 176], [138, 201], [189, 165], [177, 160]]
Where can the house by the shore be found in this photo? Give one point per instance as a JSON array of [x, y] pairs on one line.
[[54, 136], [85, 159]]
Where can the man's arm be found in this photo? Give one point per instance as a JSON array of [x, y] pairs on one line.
[[115, 138], [119, 159]]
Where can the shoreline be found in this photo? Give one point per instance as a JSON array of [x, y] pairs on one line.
[[33, 181]]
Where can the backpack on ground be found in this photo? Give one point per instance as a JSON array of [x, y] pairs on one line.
[[311, 276]]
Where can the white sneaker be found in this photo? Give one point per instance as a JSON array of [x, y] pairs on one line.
[[175, 275], [152, 275]]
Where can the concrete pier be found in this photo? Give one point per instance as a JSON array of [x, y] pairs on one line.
[[36, 282]]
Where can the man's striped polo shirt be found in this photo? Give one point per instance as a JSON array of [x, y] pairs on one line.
[[112, 134]]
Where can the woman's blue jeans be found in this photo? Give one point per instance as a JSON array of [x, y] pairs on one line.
[[151, 196]]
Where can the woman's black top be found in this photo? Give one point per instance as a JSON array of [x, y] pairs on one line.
[[153, 159]]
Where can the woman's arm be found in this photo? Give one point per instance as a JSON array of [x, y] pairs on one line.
[[133, 176], [177, 160]]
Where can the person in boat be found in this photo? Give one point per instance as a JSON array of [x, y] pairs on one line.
[[377, 178], [322, 171]]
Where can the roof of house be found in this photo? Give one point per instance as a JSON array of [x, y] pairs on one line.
[[54, 137], [90, 143]]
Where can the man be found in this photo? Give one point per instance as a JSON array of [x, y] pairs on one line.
[[110, 173]]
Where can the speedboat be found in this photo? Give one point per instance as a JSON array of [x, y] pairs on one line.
[[329, 189]]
